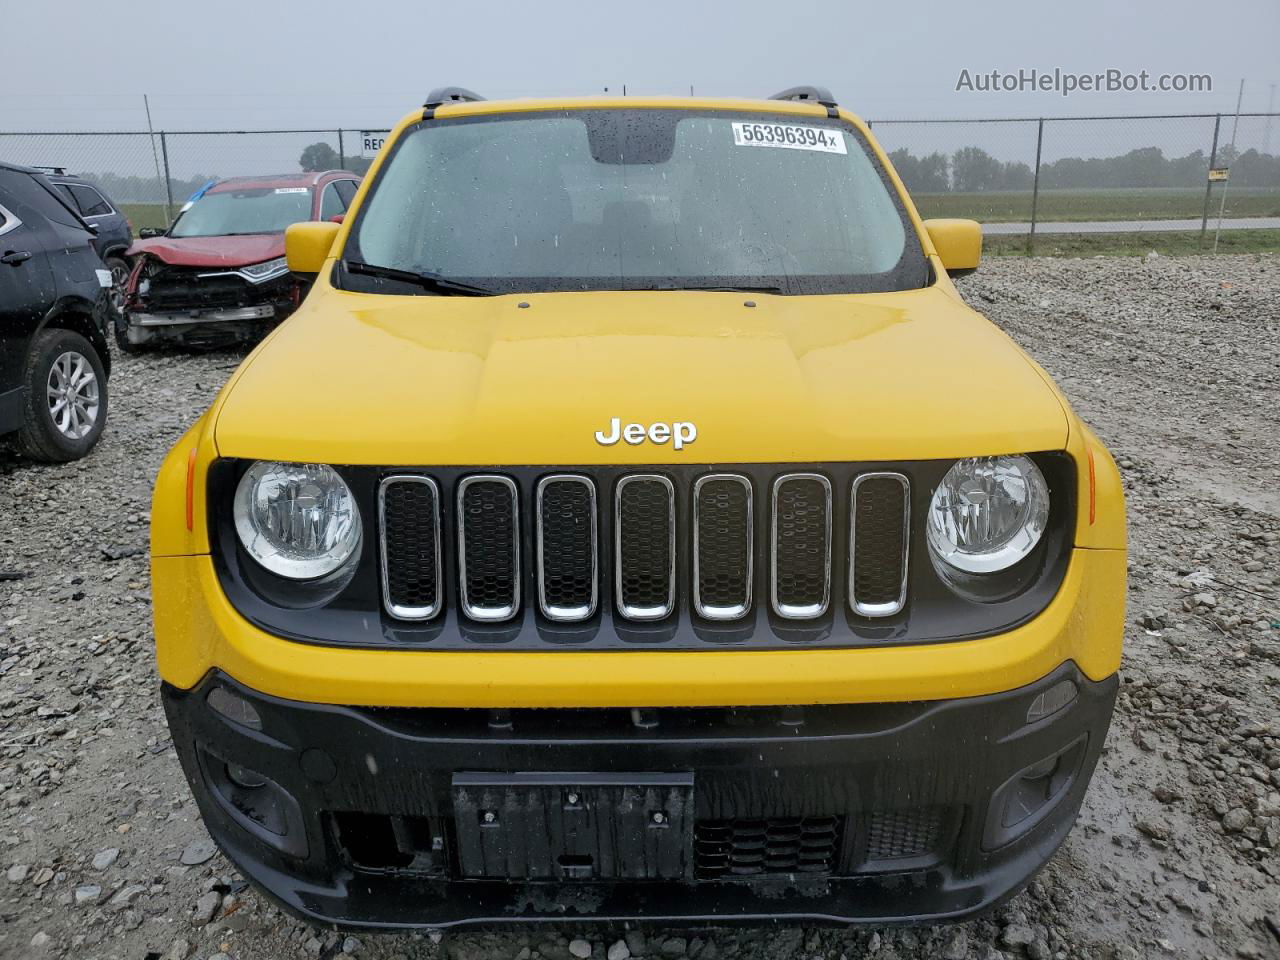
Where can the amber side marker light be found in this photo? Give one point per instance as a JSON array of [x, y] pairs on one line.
[[1093, 491], [191, 489]]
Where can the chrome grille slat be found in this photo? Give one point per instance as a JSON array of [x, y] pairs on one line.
[[489, 526], [645, 546], [723, 547], [800, 546], [879, 543], [567, 547], [409, 507]]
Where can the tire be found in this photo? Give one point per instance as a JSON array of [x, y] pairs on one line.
[[62, 366], [119, 268]]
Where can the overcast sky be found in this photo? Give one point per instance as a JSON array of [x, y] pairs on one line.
[[73, 64]]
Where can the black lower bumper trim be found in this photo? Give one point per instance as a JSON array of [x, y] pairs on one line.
[[403, 818]]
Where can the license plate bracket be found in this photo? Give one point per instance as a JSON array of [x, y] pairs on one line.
[[574, 826]]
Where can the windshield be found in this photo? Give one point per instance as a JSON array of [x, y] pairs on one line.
[[242, 211], [635, 199]]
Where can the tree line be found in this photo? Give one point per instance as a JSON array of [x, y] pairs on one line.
[[973, 170]]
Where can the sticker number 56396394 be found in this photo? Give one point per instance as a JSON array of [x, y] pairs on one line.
[[790, 136]]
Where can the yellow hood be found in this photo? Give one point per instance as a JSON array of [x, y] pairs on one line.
[[366, 379]]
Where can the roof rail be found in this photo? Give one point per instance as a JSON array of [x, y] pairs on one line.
[[805, 94], [54, 171], [450, 95]]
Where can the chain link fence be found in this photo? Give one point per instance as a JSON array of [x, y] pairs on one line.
[[1016, 176], [1091, 174]]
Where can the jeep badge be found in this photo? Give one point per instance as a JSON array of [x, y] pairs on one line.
[[681, 433]]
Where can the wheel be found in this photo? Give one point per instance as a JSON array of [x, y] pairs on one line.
[[119, 279], [66, 401]]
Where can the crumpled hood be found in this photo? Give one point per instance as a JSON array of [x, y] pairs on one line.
[[212, 251], [355, 378]]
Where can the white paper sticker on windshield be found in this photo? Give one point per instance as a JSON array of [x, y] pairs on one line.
[[294, 189], [789, 136]]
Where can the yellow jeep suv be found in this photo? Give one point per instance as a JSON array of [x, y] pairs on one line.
[[634, 523]]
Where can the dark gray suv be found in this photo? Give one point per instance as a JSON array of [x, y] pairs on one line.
[[114, 232], [54, 315]]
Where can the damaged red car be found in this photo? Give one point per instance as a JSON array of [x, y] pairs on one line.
[[218, 275]]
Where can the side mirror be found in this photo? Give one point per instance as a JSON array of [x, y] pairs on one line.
[[307, 245], [958, 244], [146, 233]]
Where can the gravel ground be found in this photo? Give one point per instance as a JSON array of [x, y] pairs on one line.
[[1176, 362]]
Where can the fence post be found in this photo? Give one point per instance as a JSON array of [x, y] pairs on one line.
[[1208, 184], [168, 180], [1035, 189], [342, 154]]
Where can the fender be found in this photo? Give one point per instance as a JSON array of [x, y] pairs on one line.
[[91, 322]]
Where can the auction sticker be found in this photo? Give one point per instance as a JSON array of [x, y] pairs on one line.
[[789, 136]]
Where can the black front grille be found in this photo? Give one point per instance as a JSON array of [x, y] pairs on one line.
[[567, 547], [378, 843], [879, 535], [489, 547], [667, 551], [646, 549], [606, 539], [904, 834], [725, 849], [183, 288], [410, 511], [722, 537], [614, 840], [801, 545]]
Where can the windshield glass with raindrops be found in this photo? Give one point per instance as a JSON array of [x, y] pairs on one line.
[[637, 199]]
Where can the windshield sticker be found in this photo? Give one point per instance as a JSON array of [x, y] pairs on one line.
[[297, 189], [788, 136]]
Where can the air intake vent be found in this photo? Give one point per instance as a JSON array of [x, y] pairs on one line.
[[567, 547], [646, 547], [801, 545], [409, 518], [879, 530], [724, 849], [722, 546], [904, 834], [489, 547]]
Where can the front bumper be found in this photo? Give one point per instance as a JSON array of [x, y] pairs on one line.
[[229, 315], [873, 812], [187, 306]]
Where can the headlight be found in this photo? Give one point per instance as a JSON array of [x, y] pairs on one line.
[[988, 513], [257, 272], [299, 520]]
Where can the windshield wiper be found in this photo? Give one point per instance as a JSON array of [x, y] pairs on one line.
[[721, 288], [433, 282]]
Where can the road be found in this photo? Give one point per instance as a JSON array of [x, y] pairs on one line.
[[1131, 226]]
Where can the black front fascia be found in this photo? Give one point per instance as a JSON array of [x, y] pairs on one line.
[[934, 611], [196, 289], [867, 766]]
